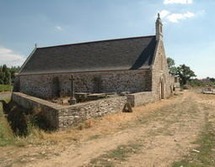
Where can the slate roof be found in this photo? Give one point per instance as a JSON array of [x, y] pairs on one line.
[[118, 54]]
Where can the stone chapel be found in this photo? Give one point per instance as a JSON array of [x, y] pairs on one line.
[[136, 64]]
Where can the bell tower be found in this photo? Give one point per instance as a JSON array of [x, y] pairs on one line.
[[159, 28]]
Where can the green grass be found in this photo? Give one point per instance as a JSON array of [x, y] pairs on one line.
[[7, 137], [121, 153], [204, 154], [6, 134], [5, 88]]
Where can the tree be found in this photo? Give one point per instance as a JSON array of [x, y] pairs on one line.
[[1, 77], [212, 79], [171, 66], [185, 74], [7, 75]]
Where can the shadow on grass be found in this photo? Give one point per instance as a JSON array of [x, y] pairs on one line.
[[22, 120]]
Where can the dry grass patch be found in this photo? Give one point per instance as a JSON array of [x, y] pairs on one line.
[[121, 153]]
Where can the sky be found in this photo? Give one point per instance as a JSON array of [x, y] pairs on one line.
[[188, 27]]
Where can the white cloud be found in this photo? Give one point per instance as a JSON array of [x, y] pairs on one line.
[[175, 17], [58, 28], [10, 58], [164, 13], [178, 1]]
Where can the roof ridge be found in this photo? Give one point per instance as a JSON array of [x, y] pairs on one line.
[[106, 40]]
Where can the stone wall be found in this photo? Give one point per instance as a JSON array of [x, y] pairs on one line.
[[48, 110], [78, 113], [141, 98], [60, 117], [47, 86]]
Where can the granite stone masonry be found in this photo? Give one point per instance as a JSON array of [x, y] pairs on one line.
[[60, 117], [141, 98], [73, 115], [49, 86]]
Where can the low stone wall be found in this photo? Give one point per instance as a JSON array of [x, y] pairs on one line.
[[75, 114], [60, 117], [49, 111], [138, 99]]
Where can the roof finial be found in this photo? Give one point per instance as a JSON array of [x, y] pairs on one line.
[[35, 45], [158, 15]]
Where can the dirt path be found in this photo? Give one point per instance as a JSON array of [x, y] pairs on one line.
[[154, 135]]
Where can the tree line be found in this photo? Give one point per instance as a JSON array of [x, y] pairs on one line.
[[7, 74], [187, 76]]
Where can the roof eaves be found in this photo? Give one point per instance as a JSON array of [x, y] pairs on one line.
[[92, 71]]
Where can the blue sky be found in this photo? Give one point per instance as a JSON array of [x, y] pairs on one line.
[[189, 27]]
